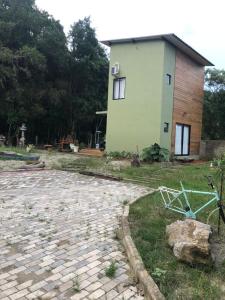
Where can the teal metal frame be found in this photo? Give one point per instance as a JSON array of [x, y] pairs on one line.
[[172, 198]]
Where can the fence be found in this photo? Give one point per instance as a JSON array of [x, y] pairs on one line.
[[212, 148]]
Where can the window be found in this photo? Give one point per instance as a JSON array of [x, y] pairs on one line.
[[166, 127], [182, 139], [119, 88], [168, 79]]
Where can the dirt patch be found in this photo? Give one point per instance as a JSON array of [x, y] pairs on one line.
[[16, 248], [51, 159], [62, 243], [98, 175], [118, 164], [22, 277], [8, 165]]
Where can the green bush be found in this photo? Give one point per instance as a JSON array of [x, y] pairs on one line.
[[118, 154], [82, 146], [155, 153]]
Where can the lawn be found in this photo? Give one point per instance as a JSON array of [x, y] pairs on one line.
[[148, 219], [13, 149]]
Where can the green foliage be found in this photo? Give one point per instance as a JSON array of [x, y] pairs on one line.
[[158, 274], [214, 105], [118, 154], [53, 88], [155, 153], [82, 146], [89, 73], [110, 271], [219, 177], [90, 163], [148, 219], [215, 79], [220, 163], [76, 285]]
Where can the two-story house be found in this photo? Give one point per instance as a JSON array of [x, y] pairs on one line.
[[155, 94]]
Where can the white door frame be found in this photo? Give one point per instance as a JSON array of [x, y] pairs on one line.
[[182, 139]]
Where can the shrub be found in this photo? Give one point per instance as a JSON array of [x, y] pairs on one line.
[[155, 153], [82, 146], [118, 154]]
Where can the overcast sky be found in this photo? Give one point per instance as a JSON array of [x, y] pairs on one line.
[[200, 23]]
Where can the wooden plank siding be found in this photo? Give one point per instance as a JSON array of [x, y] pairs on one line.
[[188, 99]]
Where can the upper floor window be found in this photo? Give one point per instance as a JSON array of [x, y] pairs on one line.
[[168, 79], [166, 127], [119, 88]]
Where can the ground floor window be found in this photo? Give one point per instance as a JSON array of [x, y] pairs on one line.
[[182, 139]]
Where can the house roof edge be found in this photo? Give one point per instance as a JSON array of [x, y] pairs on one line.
[[170, 38]]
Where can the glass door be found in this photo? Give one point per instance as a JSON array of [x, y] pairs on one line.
[[182, 139]]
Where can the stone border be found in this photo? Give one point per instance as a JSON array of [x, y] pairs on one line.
[[150, 288]]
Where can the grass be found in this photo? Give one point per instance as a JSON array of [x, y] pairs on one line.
[[18, 150], [148, 219], [13, 149], [151, 175], [76, 285], [110, 271], [81, 163]]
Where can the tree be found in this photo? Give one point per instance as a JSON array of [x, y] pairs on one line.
[[89, 77], [53, 88], [214, 105], [19, 72], [33, 69]]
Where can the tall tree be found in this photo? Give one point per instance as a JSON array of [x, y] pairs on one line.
[[19, 73], [89, 77], [54, 88], [33, 69], [214, 105]]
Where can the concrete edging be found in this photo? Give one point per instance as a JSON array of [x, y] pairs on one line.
[[151, 290]]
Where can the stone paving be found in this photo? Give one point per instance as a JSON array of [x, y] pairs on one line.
[[57, 237]]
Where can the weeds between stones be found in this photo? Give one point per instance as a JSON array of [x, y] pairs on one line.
[[110, 271], [76, 284]]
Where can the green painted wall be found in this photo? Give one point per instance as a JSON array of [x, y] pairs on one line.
[[137, 119], [167, 95]]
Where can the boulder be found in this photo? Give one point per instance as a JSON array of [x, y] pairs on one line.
[[190, 241]]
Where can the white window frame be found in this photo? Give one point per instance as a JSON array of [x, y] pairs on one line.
[[120, 84]]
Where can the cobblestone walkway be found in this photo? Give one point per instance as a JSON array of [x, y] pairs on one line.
[[57, 236]]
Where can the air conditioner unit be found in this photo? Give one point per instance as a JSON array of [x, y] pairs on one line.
[[115, 70]]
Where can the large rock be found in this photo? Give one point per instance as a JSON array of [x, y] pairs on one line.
[[190, 241]]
